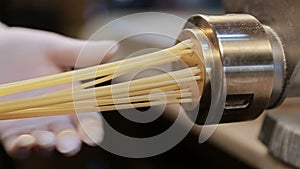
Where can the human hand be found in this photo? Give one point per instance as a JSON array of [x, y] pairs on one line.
[[27, 53]]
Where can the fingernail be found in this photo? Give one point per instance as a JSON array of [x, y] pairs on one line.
[[68, 142], [21, 148], [25, 140]]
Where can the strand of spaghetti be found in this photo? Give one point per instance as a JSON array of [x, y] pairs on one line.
[[76, 77], [33, 102], [181, 46], [108, 77], [116, 103], [47, 112], [91, 92], [166, 89], [120, 71], [178, 47], [163, 101], [112, 72], [141, 98], [143, 81], [35, 83], [91, 103], [125, 69]]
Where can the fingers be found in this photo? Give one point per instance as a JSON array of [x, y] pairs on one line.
[[67, 140], [17, 138], [79, 53], [89, 127], [20, 146], [21, 137], [42, 135], [44, 140]]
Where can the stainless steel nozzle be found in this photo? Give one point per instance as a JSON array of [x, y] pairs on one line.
[[244, 65]]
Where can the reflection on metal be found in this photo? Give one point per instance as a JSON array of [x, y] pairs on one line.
[[257, 44], [251, 58], [283, 18]]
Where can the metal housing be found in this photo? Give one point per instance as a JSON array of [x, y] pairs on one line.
[[242, 45]]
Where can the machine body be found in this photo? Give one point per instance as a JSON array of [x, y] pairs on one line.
[[257, 56]]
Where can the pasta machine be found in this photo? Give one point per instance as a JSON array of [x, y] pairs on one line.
[[250, 56]]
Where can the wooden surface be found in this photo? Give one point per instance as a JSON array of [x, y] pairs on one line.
[[281, 134], [241, 139]]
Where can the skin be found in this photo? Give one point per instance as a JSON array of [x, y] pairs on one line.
[[27, 53]]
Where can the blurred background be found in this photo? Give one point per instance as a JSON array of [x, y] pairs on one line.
[[69, 17], [80, 19]]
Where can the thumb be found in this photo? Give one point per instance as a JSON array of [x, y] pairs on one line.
[[79, 53]]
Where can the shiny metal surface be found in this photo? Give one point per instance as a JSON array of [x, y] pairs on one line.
[[279, 67], [283, 18], [244, 48], [207, 56]]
